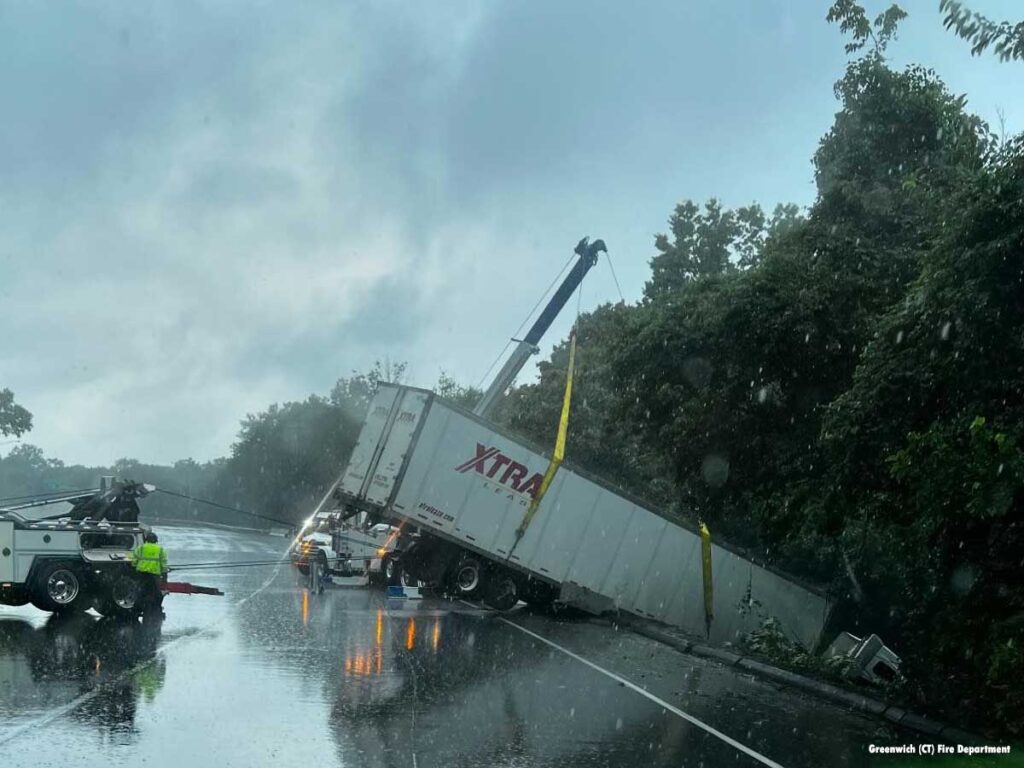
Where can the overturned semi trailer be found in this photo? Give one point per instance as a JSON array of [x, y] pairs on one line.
[[465, 484]]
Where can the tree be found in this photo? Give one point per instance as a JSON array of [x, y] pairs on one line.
[[14, 420], [449, 389], [353, 394], [853, 19], [287, 456], [598, 440], [981, 32], [712, 242]]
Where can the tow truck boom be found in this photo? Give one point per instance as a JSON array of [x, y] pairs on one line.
[[527, 346]]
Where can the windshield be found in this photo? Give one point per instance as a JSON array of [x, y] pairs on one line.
[[512, 383]]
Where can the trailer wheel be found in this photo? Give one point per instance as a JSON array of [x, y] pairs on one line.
[[468, 577], [59, 588], [502, 592], [392, 571]]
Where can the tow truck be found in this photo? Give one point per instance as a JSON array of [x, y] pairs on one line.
[[80, 556], [346, 548]]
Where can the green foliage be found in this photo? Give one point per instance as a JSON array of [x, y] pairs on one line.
[[14, 419], [712, 242], [457, 394], [810, 389], [853, 20], [286, 457], [597, 439], [981, 32], [769, 643]]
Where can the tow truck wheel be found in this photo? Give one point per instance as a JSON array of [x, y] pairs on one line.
[[502, 592], [121, 598], [59, 588]]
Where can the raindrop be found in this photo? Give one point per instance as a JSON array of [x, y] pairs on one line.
[[963, 579], [945, 331], [899, 337], [618, 724], [715, 470]]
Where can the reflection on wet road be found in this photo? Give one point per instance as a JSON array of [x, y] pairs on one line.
[[273, 674]]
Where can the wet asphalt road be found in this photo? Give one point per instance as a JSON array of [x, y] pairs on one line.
[[272, 675]]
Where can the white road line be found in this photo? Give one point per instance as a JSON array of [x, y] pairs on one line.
[[647, 694], [71, 706]]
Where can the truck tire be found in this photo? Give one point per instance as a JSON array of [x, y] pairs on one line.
[[502, 592], [121, 597], [468, 578], [59, 587], [392, 570], [325, 566]]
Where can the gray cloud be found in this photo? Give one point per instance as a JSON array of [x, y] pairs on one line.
[[205, 208]]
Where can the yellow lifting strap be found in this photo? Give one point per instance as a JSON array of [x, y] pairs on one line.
[[559, 453], [705, 550]]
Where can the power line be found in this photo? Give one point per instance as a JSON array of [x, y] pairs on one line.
[[614, 277], [225, 506], [522, 325]]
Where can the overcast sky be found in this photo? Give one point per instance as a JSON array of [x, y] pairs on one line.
[[206, 208]]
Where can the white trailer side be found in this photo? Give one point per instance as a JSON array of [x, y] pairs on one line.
[[464, 480]]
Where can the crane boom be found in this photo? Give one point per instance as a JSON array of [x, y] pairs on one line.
[[527, 346]]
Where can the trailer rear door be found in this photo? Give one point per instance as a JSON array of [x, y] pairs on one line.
[[408, 411], [364, 456]]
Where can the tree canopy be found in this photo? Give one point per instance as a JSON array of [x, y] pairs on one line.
[[14, 419]]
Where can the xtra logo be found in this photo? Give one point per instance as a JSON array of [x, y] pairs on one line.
[[489, 462]]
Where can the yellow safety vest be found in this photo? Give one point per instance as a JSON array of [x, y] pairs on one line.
[[150, 558]]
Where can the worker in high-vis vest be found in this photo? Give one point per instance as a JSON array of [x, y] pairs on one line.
[[150, 559]]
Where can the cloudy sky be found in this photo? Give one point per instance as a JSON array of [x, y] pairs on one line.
[[206, 208]]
